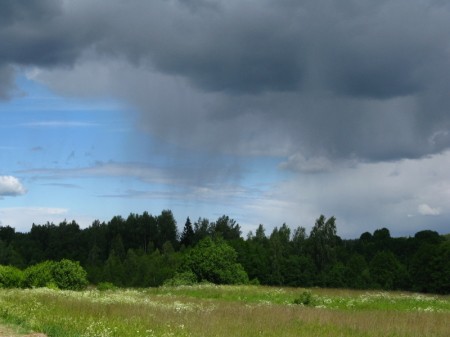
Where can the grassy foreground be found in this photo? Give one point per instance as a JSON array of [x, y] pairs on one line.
[[209, 310]]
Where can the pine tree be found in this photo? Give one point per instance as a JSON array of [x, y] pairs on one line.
[[187, 237]]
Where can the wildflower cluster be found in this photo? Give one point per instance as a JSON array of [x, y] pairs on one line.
[[383, 301]]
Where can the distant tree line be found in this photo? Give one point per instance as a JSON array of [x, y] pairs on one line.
[[146, 250]]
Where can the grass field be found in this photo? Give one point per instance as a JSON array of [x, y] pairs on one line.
[[209, 310]]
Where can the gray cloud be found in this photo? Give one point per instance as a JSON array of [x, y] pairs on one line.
[[299, 163], [7, 85], [316, 79], [186, 177], [14, 11], [40, 33]]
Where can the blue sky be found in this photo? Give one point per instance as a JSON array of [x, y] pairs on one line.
[[270, 112], [88, 159]]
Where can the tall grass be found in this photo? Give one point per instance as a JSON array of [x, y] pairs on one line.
[[209, 310]]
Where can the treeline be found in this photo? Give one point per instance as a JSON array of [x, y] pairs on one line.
[[146, 250]]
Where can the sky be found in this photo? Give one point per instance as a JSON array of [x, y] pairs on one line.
[[268, 111]]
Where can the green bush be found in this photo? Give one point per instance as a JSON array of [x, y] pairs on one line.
[[65, 274], [39, 275], [69, 275], [254, 282], [104, 286], [306, 298], [216, 262], [186, 278], [10, 277]]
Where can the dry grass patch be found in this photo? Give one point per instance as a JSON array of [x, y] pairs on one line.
[[277, 320], [10, 331]]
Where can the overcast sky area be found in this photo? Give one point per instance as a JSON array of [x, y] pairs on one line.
[[268, 111]]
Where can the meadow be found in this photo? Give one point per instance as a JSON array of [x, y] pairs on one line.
[[211, 310]]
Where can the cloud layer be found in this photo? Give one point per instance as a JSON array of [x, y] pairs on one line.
[[317, 78]]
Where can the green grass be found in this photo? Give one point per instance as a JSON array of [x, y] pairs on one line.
[[209, 310], [321, 298]]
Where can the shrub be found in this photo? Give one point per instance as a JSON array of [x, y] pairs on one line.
[[186, 278], [254, 282], [216, 262], [69, 275], [39, 275], [306, 298], [10, 277], [104, 286], [65, 274]]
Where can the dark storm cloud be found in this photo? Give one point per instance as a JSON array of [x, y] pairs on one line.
[[27, 10], [304, 79], [352, 49], [196, 5], [39, 33], [233, 47]]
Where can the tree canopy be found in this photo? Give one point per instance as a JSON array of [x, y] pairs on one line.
[[146, 250]]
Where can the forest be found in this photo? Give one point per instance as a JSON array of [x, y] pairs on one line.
[[147, 250]]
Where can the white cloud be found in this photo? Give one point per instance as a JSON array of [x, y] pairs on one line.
[[363, 197], [11, 186], [425, 209]]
